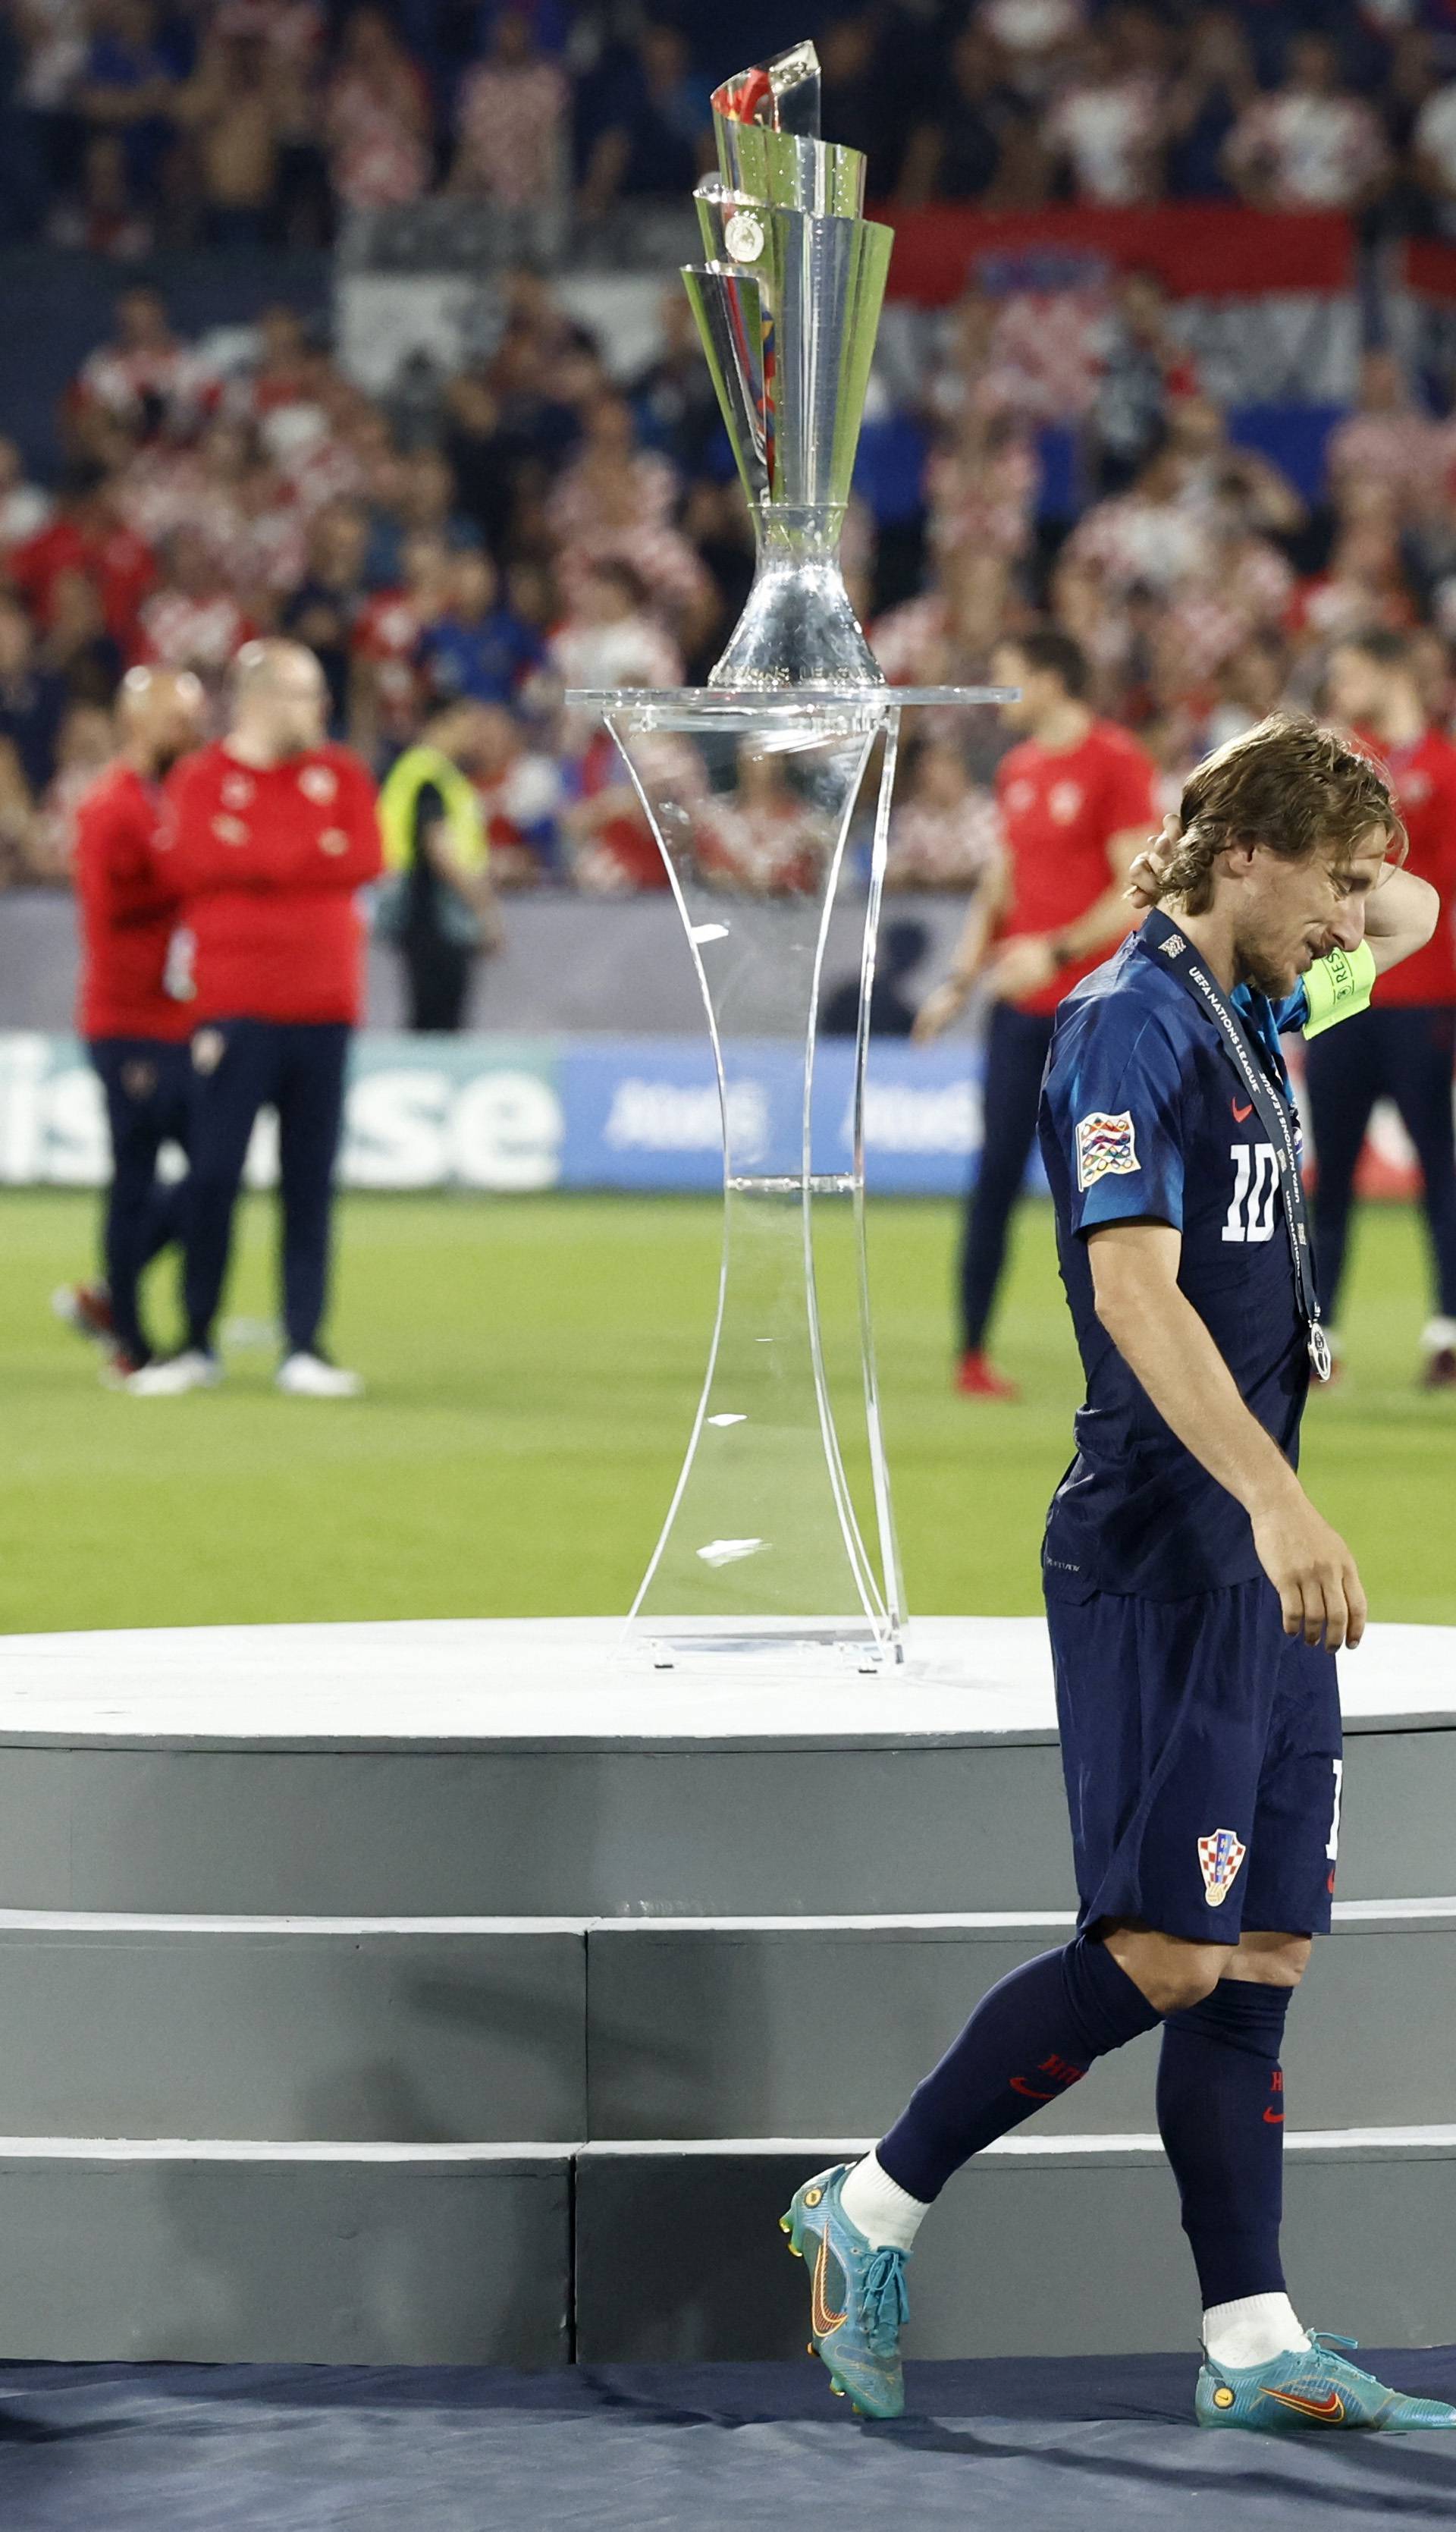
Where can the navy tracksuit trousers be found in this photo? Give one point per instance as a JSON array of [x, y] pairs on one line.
[[1016, 1050], [238, 1068], [146, 1081], [1404, 1053]]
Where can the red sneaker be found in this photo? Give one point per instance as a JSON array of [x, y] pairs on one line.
[[978, 1378], [1440, 1370], [85, 1307]]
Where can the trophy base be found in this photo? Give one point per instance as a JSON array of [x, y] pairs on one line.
[[808, 1649]]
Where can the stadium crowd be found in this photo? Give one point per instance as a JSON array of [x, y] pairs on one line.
[[240, 121], [540, 526]]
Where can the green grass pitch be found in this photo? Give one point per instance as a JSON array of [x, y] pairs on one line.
[[533, 1365]]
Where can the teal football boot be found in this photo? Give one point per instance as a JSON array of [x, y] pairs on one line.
[[858, 2302], [1312, 2387]]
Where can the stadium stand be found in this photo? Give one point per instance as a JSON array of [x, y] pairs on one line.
[[1168, 363]]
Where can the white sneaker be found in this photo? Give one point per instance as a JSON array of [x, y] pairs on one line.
[[307, 1375], [192, 1370]]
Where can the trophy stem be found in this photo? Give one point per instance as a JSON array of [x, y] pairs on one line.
[[762, 1549], [879, 1468], [797, 627]]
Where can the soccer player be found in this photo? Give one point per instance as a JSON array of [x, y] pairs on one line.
[[267, 837], [1195, 1597], [1405, 1049], [1077, 799], [134, 1033]]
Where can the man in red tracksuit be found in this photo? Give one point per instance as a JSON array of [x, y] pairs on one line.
[[134, 1033], [267, 837], [1078, 800]]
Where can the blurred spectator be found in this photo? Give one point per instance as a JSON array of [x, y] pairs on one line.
[[1215, 85], [976, 145], [129, 84], [614, 502], [78, 648], [85, 747], [859, 89], [613, 849], [1387, 440], [102, 218], [24, 507], [1253, 682], [655, 135], [437, 906], [242, 106], [1144, 366], [672, 399], [1148, 536], [192, 619], [902, 947], [764, 836], [1311, 145], [146, 379], [610, 637], [31, 698], [1105, 127], [1225, 483], [17, 818], [378, 118], [510, 121], [88, 533], [522, 798], [328, 602], [946, 829], [1433, 153], [1363, 587], [388, 690], [1032, 35], [472, 645]]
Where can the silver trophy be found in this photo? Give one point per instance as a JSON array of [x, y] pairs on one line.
[[787, 304], [761, 789]]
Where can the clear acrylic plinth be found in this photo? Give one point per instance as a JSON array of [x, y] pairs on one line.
[[752, 795]]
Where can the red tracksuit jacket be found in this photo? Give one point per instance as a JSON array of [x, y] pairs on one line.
[[267, 861]]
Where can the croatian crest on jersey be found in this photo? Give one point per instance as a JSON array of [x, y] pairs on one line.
[[318, 783], [1106, 1147], [1219, 1859]]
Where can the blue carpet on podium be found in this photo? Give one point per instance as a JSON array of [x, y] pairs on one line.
[[1095, 2442]]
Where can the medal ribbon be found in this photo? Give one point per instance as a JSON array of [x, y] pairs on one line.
[[1161, 937]]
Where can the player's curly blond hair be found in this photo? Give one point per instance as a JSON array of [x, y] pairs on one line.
[[1290, 785]]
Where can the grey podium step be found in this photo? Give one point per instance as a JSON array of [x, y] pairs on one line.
[[471, 2031], [813, 2026], [248, 2254], [276, 2030], [1063, 2247], [618, 1829]]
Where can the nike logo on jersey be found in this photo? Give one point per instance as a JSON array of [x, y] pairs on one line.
[[1240, 1114], [1273, 2118]]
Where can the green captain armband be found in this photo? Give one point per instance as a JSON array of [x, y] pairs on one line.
[[1337, 986]]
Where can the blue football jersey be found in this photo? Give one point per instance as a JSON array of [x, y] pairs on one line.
[[1143, 1120]]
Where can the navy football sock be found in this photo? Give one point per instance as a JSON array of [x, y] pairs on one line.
[[1028, 2040], [1221, 2111]]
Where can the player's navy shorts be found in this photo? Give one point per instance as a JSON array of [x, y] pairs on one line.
[[1201, 1746]]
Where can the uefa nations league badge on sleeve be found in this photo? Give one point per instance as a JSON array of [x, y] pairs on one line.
[[1106, 1147]]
